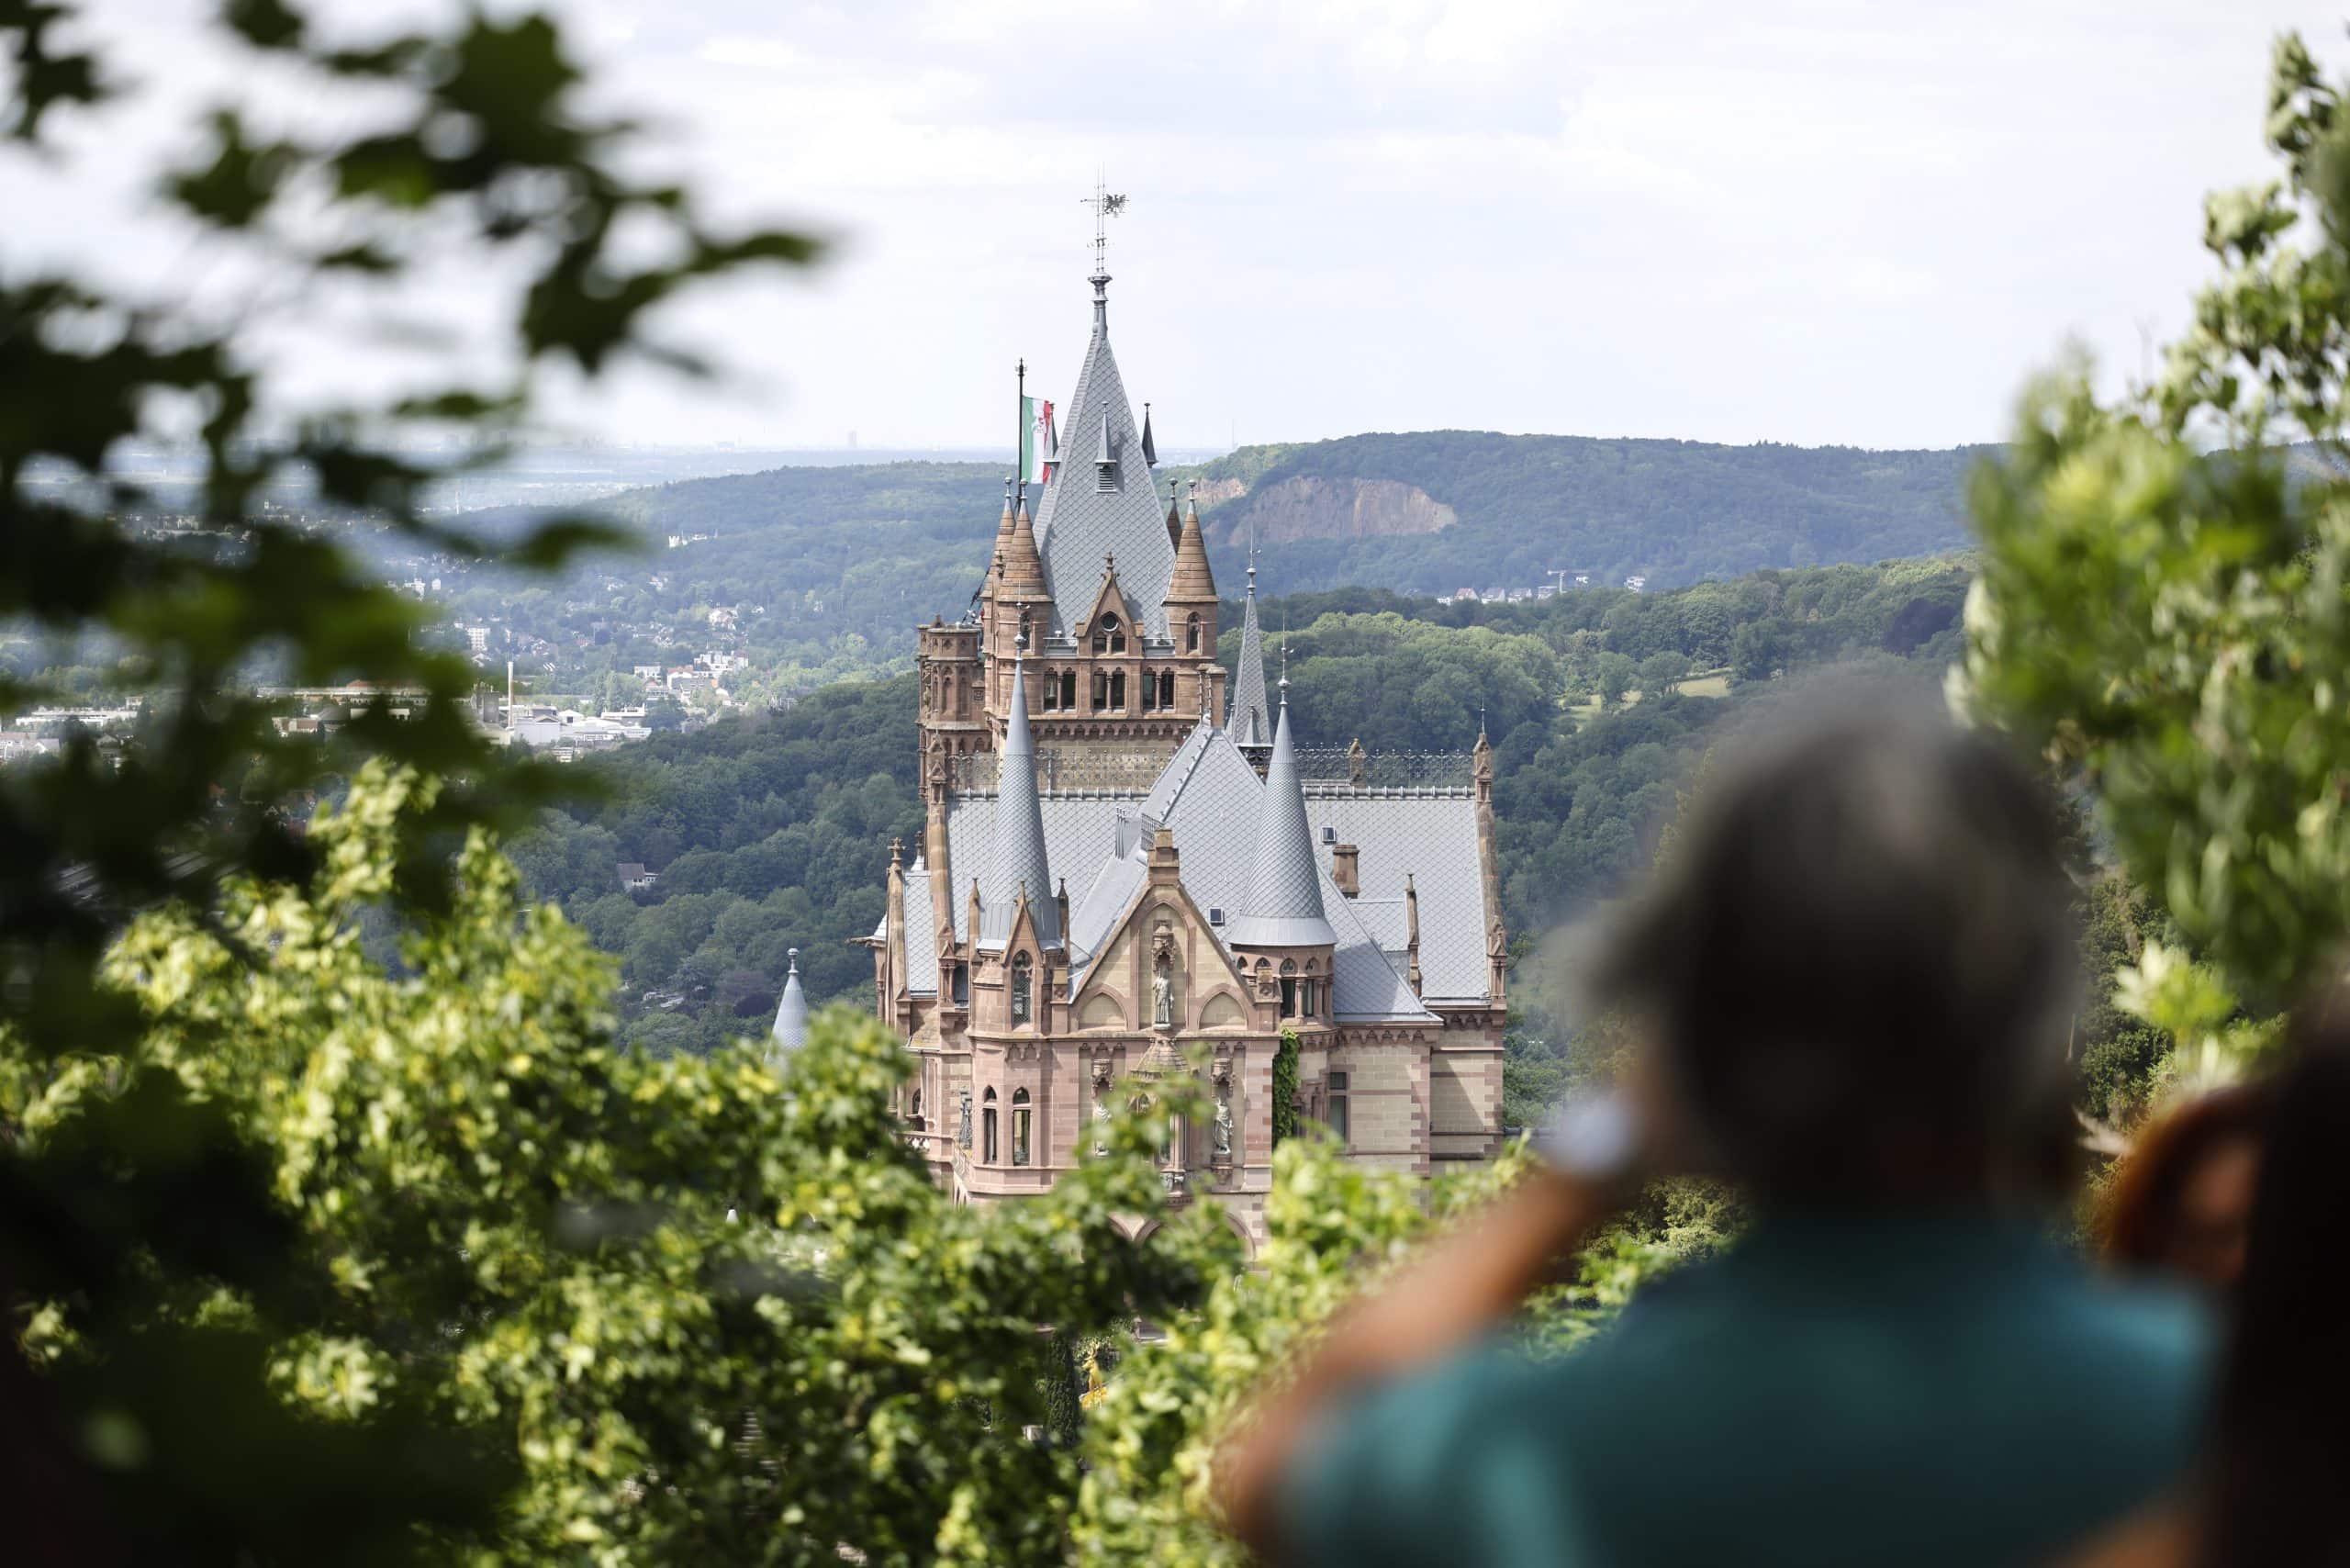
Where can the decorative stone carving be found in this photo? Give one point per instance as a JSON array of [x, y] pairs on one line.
[[963, 1126]]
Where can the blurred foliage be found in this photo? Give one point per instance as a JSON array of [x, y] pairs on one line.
[[2161, 608], [700, 1309], [144, 1217]]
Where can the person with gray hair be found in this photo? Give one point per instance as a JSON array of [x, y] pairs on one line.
[[1852, 978]]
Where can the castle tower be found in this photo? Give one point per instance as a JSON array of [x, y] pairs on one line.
[[1282, 937]]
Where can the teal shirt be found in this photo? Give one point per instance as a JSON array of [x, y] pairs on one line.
[[1947, 1390]]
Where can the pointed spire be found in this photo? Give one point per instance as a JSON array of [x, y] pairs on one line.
[[1250, 724], [791, 1014], [1023, 567], [1174, 518], [1020, 818], [1149, 447], [1192, 583], [1284, 908]]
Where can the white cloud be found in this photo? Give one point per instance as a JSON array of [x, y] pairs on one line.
[[1837, 222]]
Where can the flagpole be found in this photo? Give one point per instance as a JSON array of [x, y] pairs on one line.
[[1020, 429]]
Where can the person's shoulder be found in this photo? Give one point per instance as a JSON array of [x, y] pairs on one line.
[[2156, 1327]]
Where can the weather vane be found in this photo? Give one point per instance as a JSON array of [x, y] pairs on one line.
[[1106, 206]]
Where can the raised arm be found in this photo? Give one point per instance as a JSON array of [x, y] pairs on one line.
[[1441, 1302]]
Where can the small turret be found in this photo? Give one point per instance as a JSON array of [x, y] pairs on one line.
[[790, 1014]]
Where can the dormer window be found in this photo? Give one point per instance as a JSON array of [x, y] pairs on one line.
[[1109, 636]]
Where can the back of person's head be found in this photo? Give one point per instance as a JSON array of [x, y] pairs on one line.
[[2149, 1218], [2279, 1442], [1858, 959]]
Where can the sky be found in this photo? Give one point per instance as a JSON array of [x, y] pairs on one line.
[[1735, 220]]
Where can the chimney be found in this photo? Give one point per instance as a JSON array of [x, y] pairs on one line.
[[1343, 869]]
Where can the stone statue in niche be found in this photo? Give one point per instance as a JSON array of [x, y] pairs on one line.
[[1100, 1107], [1224, 1116], [1162, 978], [963, 1127]]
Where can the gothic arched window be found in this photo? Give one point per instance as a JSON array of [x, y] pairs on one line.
[[1149, 692], [986, 1127], [1289, 987], [1109, 636], [1022, 985], [1118, 692], [1166, 688], [1069, 689], [1192, 634], [1019, 1114]]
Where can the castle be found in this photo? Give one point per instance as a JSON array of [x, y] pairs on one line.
[[1125, 856]]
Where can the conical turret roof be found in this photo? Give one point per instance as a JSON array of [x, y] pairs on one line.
[[1023, 569], [1020, 830], [1194, 583], [1284, 904], [791, 1014], [1249, 723]]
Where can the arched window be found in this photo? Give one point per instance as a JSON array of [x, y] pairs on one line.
[[986, 1127], [1100, 691], [1022, 983], [959, 987], [1309, 999], [1068, 689], [1052, 691], [1192, 634], [1019, 1114], [1109, 636], [1166, 688], [1149, 692], [1289, 987], [1118, 692]]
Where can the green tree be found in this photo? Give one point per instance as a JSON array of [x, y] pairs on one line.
[[681, 1310], [2162, 599], [1660, 672], [475, 145], [1615, 677]]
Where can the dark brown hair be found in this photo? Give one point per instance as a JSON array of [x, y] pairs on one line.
[[2138, 1222], [2277, 1447]]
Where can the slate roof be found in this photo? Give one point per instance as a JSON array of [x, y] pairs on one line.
[[1433, 838], [1079, 521], [1211, 798], [1284, 906]]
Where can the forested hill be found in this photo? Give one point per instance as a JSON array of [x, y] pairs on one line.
[[772, 830], [1437, 511], [836, 566]]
